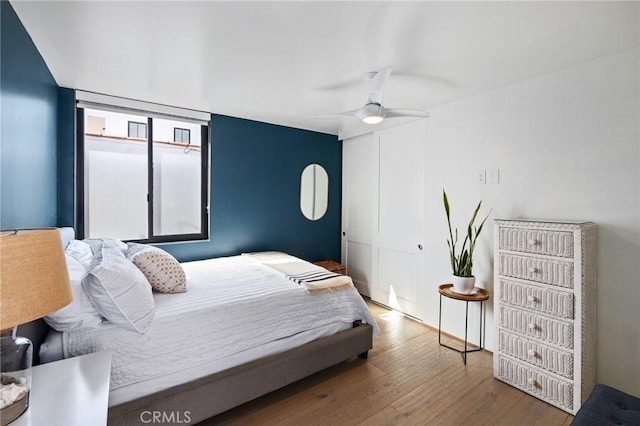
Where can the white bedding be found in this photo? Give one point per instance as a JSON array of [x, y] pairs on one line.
[[235, 310]]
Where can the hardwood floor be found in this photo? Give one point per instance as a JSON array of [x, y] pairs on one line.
[[408, 380]]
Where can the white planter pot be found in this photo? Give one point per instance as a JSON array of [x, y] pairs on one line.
[[463, 285]]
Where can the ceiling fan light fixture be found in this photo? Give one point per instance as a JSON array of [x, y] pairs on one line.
[[372, 113], [372, 119]]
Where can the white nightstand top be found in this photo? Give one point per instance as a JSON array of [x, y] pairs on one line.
[[74, 391]]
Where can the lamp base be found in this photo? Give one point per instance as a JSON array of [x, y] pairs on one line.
[[15, 375], [15, 410]]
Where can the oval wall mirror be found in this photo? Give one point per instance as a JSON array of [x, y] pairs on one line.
[[314, 191]]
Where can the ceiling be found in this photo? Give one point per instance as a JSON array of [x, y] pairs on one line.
[[286, 62]]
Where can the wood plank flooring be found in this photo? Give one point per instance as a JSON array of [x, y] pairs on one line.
[[408, 380]]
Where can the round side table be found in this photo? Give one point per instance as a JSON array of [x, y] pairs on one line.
[[478, 295]]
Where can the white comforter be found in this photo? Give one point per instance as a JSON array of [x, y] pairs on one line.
[[232, 306]]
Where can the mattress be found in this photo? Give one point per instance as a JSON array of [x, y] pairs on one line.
[[236, 310]]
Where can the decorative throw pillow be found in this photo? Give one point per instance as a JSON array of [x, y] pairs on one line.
[[118, 289], [80, 251], [80, 312], [163, 271]]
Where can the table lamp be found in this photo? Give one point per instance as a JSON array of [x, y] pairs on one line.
[[33, 283]]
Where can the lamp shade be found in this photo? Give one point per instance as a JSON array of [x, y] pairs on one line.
[[33, 276]]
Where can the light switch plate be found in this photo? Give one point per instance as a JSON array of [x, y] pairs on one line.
[[493, 176], [482, 176]]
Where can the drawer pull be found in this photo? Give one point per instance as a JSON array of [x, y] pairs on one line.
[[533, 269], [531, 299], [532, 241], [532, 326], [531, 352], [531, 382]]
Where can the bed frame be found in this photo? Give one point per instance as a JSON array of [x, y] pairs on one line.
[[211, 395]]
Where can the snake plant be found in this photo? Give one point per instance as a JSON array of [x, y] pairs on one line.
[[462, 263]]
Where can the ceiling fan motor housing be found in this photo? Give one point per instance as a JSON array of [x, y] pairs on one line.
[[372, 113]]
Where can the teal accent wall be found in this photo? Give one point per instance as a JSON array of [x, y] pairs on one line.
[[28, 148], [255, 192]]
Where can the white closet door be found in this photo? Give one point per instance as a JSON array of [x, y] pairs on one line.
[[397, 256], [358, 186]]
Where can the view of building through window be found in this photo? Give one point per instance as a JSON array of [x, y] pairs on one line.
[[182, 135], [117, 184], [137, 130]]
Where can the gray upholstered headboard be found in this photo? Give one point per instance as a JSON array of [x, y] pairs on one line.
[[67, 234], [37, 330]]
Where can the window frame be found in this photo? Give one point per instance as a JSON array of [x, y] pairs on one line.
[[204, 180], [182, 133], [146, 129]]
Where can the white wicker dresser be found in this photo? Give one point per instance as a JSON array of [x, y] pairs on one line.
[[545, 309]]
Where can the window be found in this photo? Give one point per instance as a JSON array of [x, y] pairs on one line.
[[182, 135], [137, 130], [136, 181]]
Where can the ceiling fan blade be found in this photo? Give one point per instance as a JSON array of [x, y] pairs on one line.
[[326, 116], [358, 113], [405, 112], [377, 84]]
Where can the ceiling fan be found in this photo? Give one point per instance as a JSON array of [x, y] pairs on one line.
[[373, 112]]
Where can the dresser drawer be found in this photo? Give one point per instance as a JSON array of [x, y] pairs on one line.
[[549, 388], [552, 243], [550, 330], [543, 356], [547, 301], [542, 270]]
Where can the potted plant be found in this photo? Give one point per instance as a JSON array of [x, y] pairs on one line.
[[462, 262]]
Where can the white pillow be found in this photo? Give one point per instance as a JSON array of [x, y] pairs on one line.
[[96, 243], [80, 251], [163, 271], [51, 349], [80, 312], [118, 289]]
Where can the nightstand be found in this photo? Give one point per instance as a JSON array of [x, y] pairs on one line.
[[73, 391], [332, 266]]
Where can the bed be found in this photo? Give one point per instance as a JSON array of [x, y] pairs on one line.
[[242, 329]]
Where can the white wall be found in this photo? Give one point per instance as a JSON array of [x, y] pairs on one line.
[[116, 203], [567, 145]]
